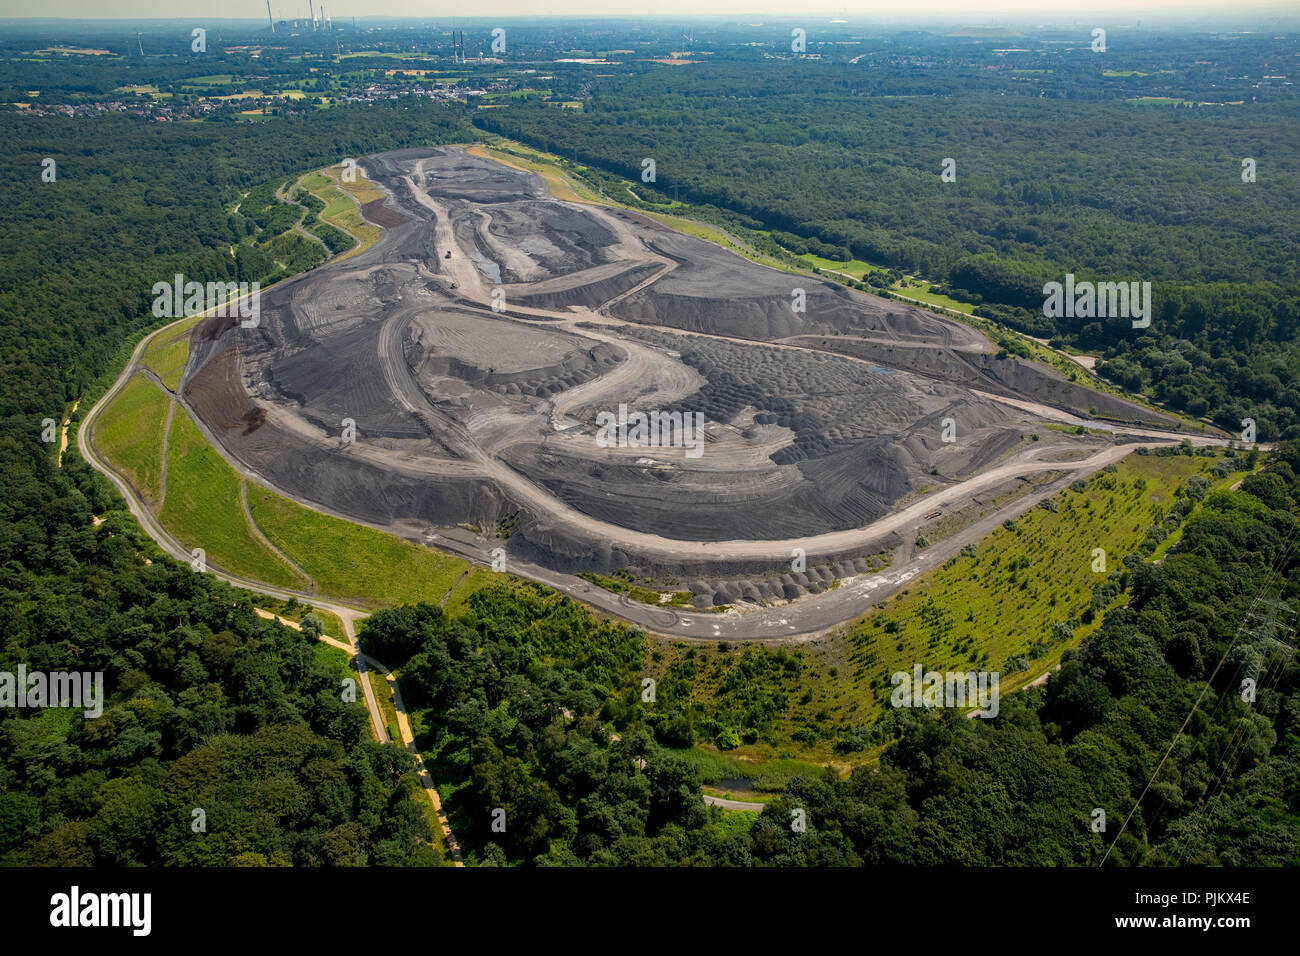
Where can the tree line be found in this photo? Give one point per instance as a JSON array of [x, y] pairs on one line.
[[535, 719], [209, 707]]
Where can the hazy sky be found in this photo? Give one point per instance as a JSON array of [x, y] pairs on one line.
[[973, 11]]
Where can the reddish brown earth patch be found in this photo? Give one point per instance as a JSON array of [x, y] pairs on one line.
[[218, 397], [381, 215]]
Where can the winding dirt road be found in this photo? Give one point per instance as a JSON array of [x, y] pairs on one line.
[[809, 615], [349, 616]]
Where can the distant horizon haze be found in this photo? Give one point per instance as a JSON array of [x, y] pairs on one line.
[[971, 12]]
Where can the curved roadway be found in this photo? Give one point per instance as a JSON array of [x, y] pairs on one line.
[[808, 615], [349, 616]]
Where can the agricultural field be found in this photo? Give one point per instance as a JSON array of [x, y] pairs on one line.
[[143, 89]]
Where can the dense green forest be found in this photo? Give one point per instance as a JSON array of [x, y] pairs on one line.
[[532, 706], [528, 704], [1046, 186], [208, 707]]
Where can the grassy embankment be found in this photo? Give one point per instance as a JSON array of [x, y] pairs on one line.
[[362, 565], [340, 210], [773, 705], [167, 354], [130, 435], [202, 509], [296, 610], [387, 707]]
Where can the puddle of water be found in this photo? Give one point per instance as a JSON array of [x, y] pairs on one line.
[[487, 266]]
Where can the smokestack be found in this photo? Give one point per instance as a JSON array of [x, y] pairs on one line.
[[311, 8], [268, 16]]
